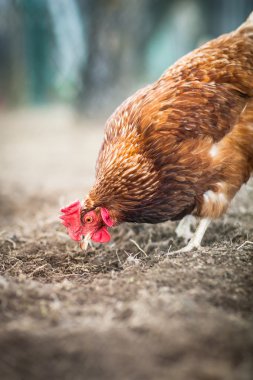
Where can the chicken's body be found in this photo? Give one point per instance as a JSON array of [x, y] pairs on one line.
[[184, 144]]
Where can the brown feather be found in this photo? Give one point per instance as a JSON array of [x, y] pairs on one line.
[[183, 144]]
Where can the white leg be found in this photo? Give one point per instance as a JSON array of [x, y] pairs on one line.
[[184, 227], [196, 238]]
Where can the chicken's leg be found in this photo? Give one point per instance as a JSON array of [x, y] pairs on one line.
[[196, 238], [184, 227]]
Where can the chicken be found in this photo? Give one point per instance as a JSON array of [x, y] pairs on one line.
[[180, 147]]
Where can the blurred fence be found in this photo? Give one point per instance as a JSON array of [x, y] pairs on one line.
[[93, 53]]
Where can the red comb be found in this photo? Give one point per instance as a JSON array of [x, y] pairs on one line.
[[71, 219]]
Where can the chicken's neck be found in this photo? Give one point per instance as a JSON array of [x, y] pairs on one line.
[[123, 185]]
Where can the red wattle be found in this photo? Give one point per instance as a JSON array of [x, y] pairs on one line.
[[101, 236]]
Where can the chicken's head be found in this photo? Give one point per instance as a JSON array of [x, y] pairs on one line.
[[87, 225]]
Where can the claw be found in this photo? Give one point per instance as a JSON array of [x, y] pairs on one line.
[[187, 248]]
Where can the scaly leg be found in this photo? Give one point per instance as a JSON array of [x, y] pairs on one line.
[[184, 227], [196, 238]]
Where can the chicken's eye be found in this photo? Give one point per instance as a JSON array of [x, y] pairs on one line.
[[88, 219]]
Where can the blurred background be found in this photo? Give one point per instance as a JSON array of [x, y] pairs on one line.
[[93, 53], [69, 63]]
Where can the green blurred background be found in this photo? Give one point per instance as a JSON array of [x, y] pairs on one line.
[[93, 53]]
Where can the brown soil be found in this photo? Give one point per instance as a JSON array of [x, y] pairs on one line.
[[122, 310]]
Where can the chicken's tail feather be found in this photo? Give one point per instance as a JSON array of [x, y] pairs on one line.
[[247, 25], [250, 18]]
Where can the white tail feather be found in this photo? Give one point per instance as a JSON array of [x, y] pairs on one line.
[[247, 25], [250, 18]]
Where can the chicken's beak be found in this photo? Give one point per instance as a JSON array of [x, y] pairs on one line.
[[84, 243]]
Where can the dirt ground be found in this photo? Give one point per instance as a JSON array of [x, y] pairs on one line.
[[119, 311]]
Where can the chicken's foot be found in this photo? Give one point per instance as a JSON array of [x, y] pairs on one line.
[[196, 238]]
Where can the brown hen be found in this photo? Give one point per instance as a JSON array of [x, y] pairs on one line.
[[180, 146]]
